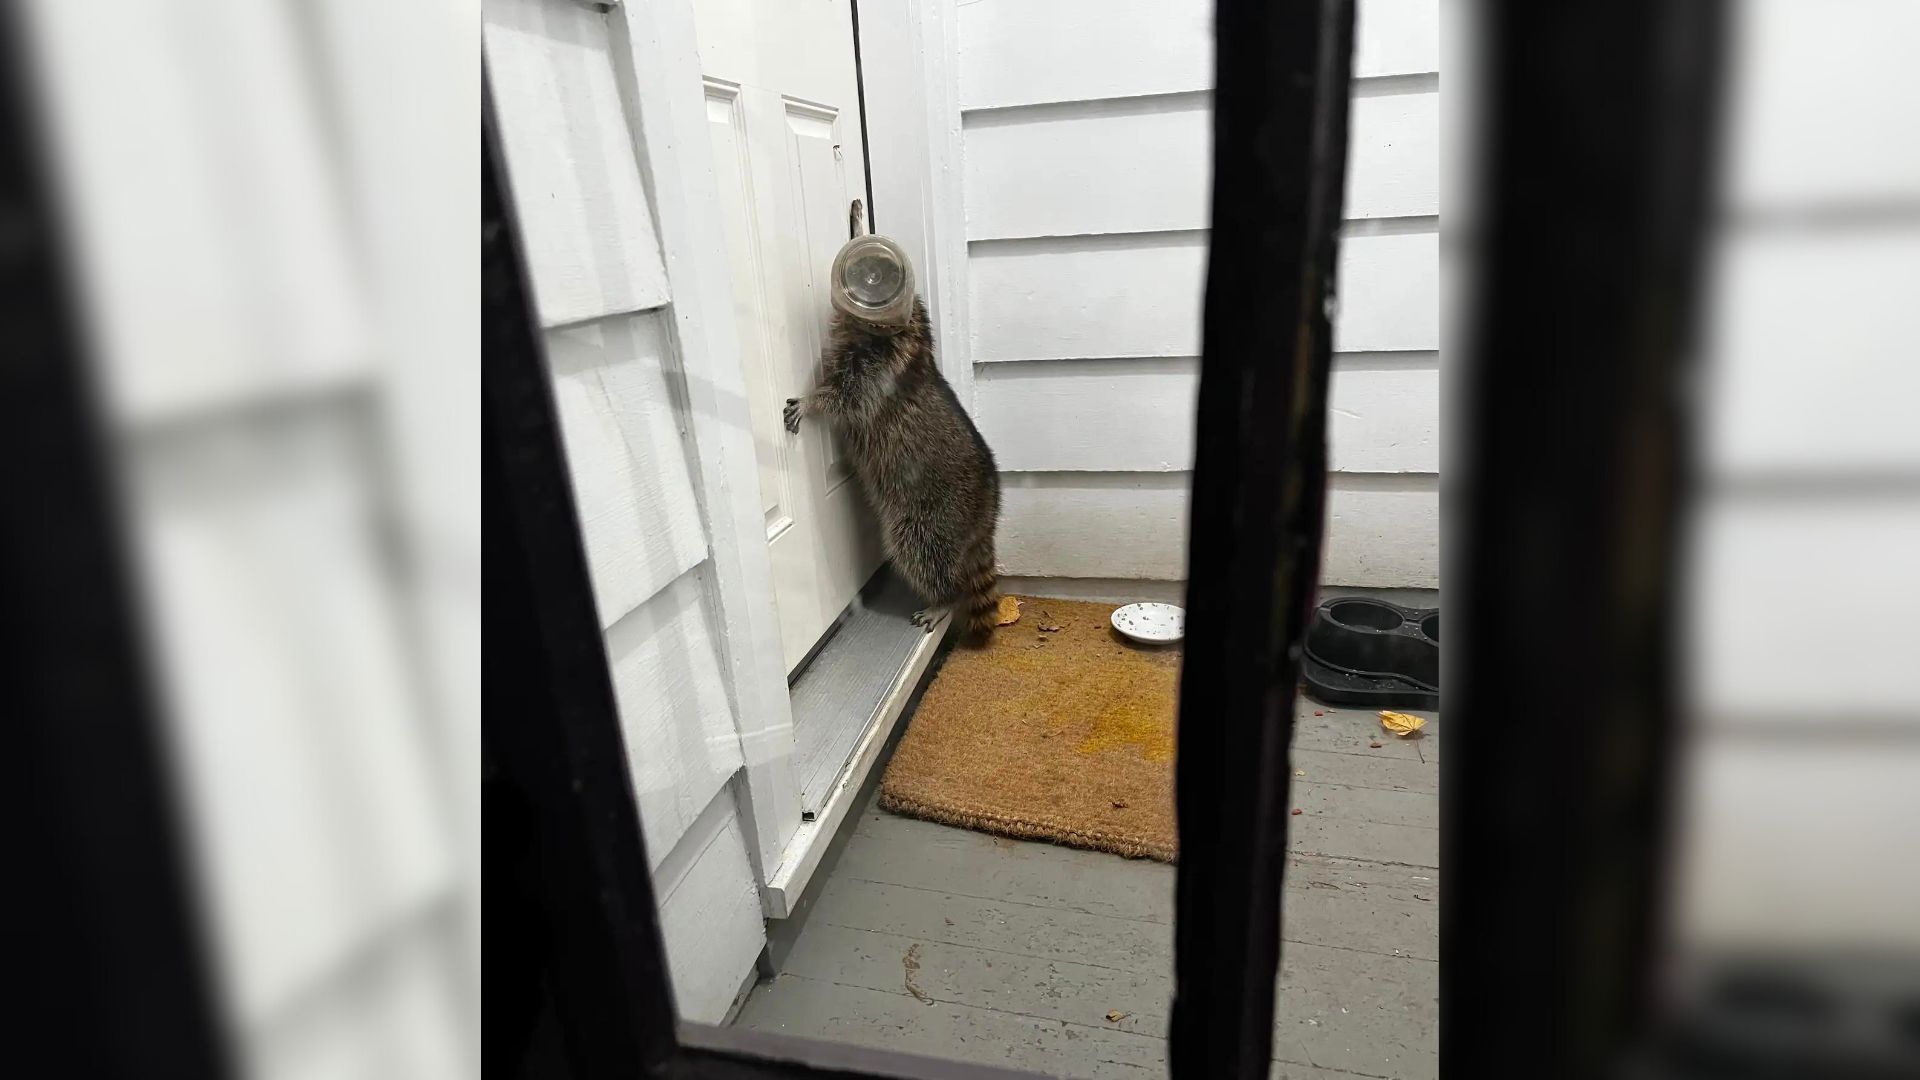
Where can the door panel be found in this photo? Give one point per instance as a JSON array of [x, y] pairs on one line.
[[784, 123]]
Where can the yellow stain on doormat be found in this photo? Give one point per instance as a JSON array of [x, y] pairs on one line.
[[1134, 722], [1402, 724]]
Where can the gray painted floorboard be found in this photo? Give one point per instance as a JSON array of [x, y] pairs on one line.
[[942, 941]]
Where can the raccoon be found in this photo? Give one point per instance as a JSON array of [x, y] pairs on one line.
[[927, 472]]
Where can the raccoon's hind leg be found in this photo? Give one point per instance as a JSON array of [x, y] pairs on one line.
[[963, 583], [930, 576]]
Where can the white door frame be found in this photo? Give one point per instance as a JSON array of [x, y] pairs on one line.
[[910, 77], [918, 204]]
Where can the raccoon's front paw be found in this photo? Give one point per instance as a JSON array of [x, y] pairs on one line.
[[927, 618], [791, 415]]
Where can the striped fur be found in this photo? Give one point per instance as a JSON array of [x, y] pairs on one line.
[[928, 474]]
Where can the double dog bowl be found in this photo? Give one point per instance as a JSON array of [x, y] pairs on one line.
[[1372, 654]]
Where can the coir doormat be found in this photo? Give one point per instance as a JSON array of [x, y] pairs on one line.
[[1059, 729]]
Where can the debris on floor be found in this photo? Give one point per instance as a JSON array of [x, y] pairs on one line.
[[1009, 611], [1401, 724], [911, 963], [1047, 625], [1376, 744], [1114, 1016]]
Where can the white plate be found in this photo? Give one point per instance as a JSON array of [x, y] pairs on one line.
[[1154, 624]]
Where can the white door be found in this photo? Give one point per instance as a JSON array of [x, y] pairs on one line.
[[783, 111]]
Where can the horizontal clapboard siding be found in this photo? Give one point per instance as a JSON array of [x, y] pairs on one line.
[[1113, 415], [1029, 171], [1018, 52], [709, 913], [616, 339], [674, 710], [1382, 532], [631, 476], [1794, 392], [1822, 114], [1802, 565], [1086, 130], [588, 232], [1827, 869], [1139, 294], [1782, 588]]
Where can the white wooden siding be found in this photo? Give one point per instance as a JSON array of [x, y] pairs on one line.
[[1803, 566], [223, 276], [1382, 531], [681, 743], [1805, 134], [652, 452], [227, 241], [1779, 592], [1086, 128], [1818, 870], [1139, 294], [710, 913], [622, 429], [1029, 170], [1065, 415], [1017, 52], [283, 649], [1801, 321], [590, 242]]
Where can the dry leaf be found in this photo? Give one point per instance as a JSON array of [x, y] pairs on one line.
[[1114, 1016], [1401, 724], [1009, 611], [911, 963]]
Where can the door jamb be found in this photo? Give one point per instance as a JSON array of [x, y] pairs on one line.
[[909, 82]]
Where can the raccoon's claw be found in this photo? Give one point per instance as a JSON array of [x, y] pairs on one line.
[[926, 619], [791, 415]]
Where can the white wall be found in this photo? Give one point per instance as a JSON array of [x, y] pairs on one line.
[[626, 363], [1083, 136], [1804, 546], [270, 275]]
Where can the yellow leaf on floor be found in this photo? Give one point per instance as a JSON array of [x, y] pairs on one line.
[[1401, 724], [1009, 611]]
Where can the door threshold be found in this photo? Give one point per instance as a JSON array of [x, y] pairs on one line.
[[846, 704]]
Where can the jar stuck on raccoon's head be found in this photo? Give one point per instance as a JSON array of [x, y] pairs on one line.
[[873, 282]]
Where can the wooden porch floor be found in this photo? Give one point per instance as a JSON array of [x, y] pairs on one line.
[[946, 942]]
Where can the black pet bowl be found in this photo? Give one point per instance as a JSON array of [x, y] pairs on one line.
[[1373, 654]]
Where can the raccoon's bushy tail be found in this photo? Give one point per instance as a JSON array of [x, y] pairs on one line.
[[980, 595]]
